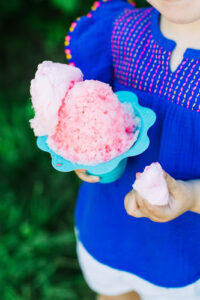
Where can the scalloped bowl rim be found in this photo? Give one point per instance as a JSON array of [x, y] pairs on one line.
[[147, 117]]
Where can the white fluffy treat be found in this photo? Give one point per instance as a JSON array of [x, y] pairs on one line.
[[49, 87], [151, 185]]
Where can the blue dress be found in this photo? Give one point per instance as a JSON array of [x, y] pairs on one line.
[[123, 46]]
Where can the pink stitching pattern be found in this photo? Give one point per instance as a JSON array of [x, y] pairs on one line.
[[187, 78]]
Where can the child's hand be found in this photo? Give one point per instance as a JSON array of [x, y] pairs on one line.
[[82, 174], [181, 200]]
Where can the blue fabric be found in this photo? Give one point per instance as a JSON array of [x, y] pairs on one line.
[[91, 41], [165, 254]]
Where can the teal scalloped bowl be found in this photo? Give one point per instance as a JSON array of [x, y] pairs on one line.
[[111, 170]]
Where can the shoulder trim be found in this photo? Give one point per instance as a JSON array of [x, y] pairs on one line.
[[68, 37]]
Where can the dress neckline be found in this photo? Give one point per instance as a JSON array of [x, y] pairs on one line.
[[166, 43]]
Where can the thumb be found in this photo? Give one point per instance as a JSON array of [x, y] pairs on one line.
[[131, 205], [172, 184]]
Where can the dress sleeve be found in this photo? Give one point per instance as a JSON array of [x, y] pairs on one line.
[[88, 42]]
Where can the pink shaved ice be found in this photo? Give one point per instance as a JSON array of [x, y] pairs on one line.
[[51, 84], [151, 185], [93, 125]]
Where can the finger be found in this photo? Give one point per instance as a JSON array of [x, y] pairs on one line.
[[177, 190], [89, 178], [85, 177], [144, 209], [135, 210], [131, 206], [81, 171], [171, 184], [153, 212]]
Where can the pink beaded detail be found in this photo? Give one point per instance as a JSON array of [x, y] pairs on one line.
[[132, 2], [94, 7], [68, 53]]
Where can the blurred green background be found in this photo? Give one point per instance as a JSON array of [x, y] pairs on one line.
[[37, 243]]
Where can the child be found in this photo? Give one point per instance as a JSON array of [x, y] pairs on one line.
[[155, 53]]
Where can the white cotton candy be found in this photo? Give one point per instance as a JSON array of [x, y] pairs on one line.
[[151, 185], [49, 87]]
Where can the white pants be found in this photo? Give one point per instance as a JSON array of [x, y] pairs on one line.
[[111, 282]]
